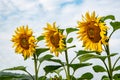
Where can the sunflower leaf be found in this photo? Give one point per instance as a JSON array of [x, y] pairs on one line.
[[56, 61], [22, 68], [86, 57], [117, 68], [51, 68], [107, 17], [41, 50], [46, 57], [116, 76], [115, 25], [80, 52], [87, 76], [69, 30], [80, 65], [98, 68], [104, 77], [40, 38], [70, 40]]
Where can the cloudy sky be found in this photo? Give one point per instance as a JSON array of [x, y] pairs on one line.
[[36, 13]]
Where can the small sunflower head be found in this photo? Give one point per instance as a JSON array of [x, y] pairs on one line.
[[54, 38], [92, 32], [24, 41]]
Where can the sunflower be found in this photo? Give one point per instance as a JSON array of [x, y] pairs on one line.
[[54, 38], [24, 41], [92, 32]]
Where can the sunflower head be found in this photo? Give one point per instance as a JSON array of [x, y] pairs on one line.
[[92, 32], [24, 41], [54, 38]]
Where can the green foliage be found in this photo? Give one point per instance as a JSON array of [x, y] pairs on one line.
[[98, 68], [115, 25], [70, 40], [41, 50], [40, 38], [104, 77], [46, 57], [87, 75], [42, 78], [116, 76], [86, 57], [80, 52], [13, 76], [108, 17], [56, 61], [22, 68], [117, 68], [79, 65], [69, 30], [51, 68]]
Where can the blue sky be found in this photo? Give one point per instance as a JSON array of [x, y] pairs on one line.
[[36, 13]]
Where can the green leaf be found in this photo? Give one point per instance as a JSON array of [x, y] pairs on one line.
[[69, 30], [61, 50], [115, 25], [46, 57], [42, 78], [116, 76], [56, 61], [80, 65], [107, 17], [51, 68], [41, 50], [87, 75], [117, 68], [22, 68], [80, 52], [98, 68], [40, 38], [70, 40], [104, 77], [9, 76], [87, 57]]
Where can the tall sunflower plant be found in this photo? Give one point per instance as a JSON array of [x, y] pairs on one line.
[[92, 30]]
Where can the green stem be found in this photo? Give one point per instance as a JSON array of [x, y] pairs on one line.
[[109, 61], [116, 62], [29, 74], [106, 68], [73, 59], [67, 61], [35, 65]]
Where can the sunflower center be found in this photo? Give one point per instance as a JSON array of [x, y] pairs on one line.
[[94, 33], [24, 42], [55, 40]]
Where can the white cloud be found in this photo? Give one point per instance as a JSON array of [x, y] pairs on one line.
[[35, 13]]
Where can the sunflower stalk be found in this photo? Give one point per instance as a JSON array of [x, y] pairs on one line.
[[109, 62], [67, 62], [35, 65]]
